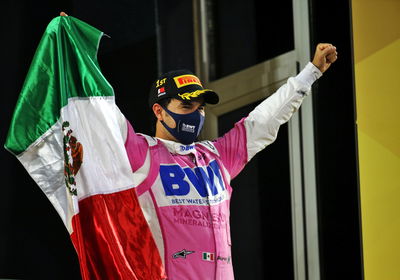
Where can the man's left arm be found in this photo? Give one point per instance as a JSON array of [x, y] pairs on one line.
[[260, 128], [263, 122]]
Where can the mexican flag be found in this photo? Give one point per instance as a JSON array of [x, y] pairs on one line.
[[69, 135], [206, 256]]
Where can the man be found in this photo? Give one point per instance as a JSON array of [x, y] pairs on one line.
[[183, 185], [82, 152]]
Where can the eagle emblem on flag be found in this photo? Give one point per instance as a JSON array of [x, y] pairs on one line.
[[73, 157]]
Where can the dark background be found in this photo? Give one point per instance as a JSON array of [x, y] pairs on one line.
[[336, 147], [33, 241]]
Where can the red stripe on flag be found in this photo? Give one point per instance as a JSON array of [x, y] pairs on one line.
[[113, 240]]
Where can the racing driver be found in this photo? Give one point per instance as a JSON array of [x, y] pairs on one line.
[[184, 185]]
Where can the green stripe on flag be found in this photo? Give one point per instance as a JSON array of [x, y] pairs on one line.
[[64, 66]]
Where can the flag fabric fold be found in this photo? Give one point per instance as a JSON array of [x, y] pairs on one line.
[[69, 135]]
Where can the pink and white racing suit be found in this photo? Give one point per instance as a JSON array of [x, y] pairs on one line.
[[184, 190]]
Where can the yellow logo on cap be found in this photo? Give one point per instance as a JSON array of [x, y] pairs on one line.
[[185, 80], [189, 95], [160, 82]]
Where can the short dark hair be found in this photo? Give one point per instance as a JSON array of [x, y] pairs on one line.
[[163, 103]]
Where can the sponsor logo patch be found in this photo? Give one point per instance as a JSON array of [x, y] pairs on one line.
[[185, 80], [161, 91], [182, 254], [178, 181], [188, 128], [186, 148], [224, 259], [209, 145], [199, 218]]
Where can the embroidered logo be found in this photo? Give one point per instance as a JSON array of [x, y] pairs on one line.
[[206, 256], [189, 95], [185, 80], [160, 82], [182, 254], [73, 156]]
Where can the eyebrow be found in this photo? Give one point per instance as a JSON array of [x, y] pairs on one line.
[[188, 102]]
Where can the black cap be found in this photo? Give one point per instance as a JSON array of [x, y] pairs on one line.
[[180, 84]]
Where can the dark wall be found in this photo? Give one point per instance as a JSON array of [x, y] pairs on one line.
[[261, 210], [33, 241], [176, 38], [336, 146]]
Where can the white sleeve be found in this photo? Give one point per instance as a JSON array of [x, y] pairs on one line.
[[263, 122]]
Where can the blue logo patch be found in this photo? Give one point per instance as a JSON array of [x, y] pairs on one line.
[[187, 148], [176, 179]]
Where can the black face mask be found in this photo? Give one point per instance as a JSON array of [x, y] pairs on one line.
[[188, 126]]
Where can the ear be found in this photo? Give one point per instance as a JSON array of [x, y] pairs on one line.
[[157, 109]]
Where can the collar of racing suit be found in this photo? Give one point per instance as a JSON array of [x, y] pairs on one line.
[[178, 148], [181, 149]]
